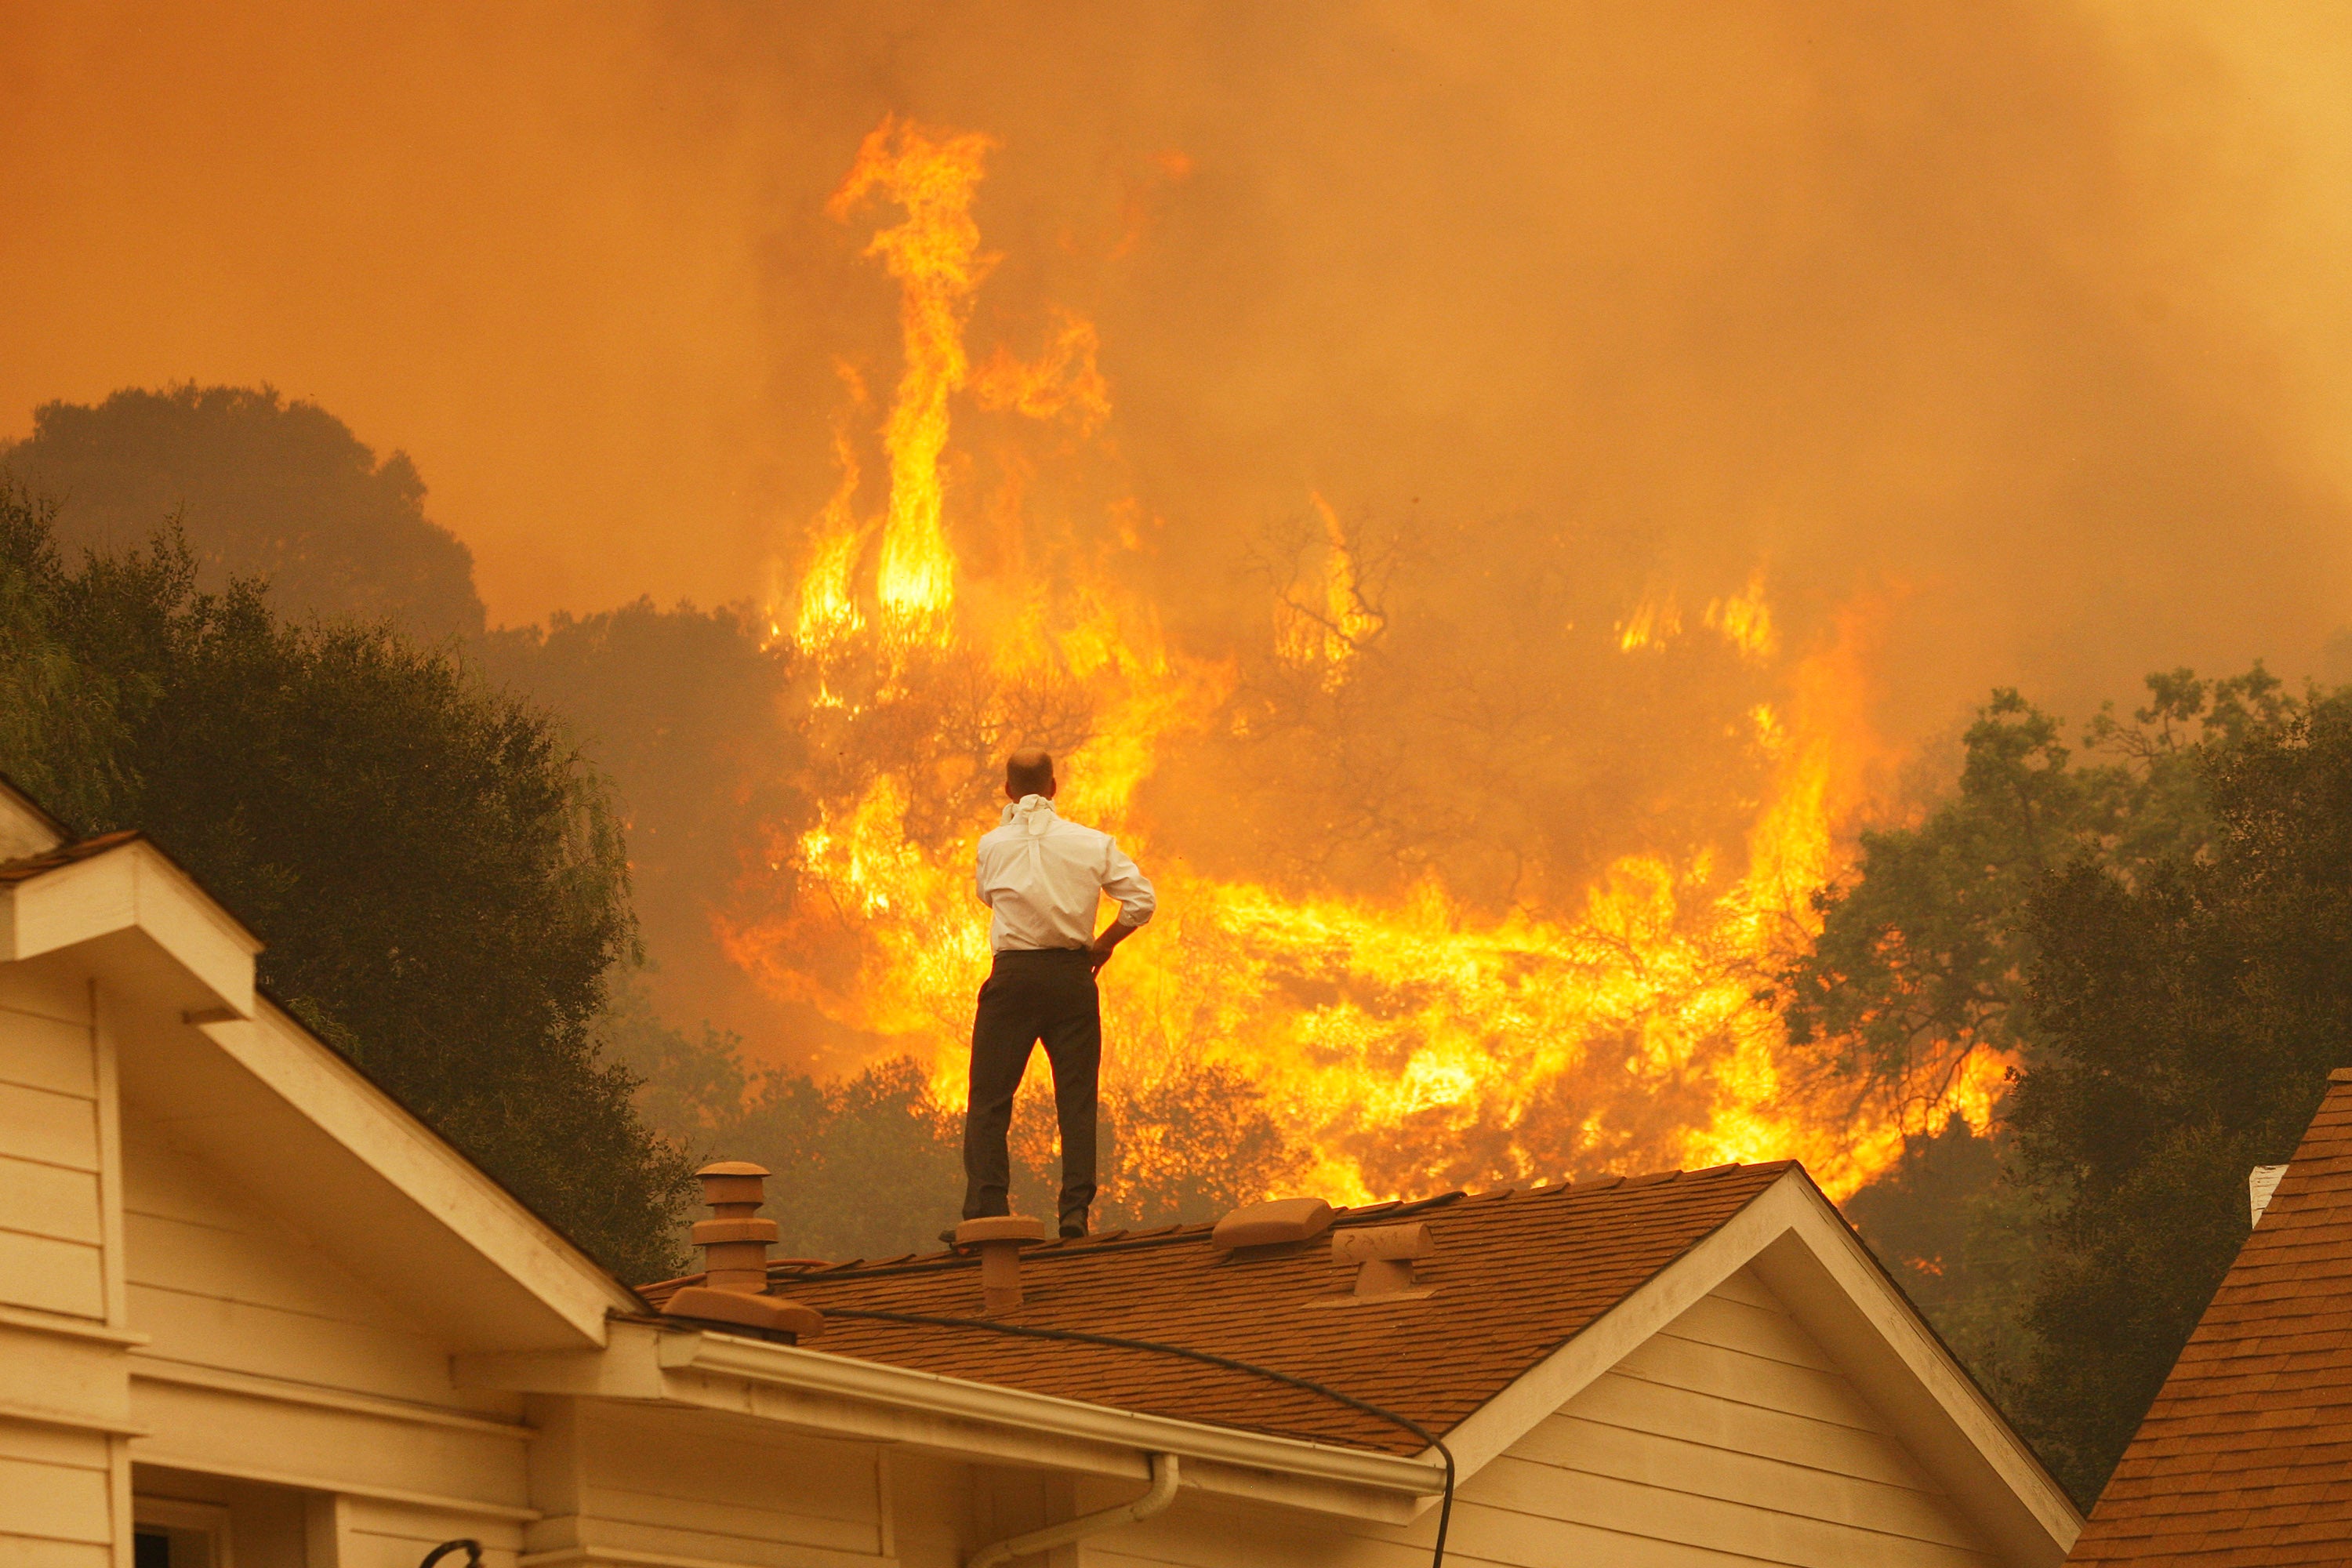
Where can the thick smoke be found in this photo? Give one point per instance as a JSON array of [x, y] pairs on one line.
[[1991, 320]]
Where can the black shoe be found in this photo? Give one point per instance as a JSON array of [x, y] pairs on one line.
[[1074, 1233], [947, 1236]]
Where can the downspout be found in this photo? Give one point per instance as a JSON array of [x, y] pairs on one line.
[[1156, 1500]]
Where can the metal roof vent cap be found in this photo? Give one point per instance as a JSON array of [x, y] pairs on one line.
[[1271, 1224], [734, 1243], [1384, 1255], [999, 1238]]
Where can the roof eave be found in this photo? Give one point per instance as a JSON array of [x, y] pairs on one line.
[[242, 1083], [866, 1401]]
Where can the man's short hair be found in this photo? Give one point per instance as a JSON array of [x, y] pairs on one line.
[[1029, 772]]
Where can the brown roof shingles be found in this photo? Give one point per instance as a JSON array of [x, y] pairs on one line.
[[1516, 1275], [26, 867], [2246, 1455]]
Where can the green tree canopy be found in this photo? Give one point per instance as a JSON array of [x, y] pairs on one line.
[[1927, 952], [264, 489], [1923, 950], [686, 712], [2187, 1014], [440, 881]]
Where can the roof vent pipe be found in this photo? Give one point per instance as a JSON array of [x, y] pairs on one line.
[[999, 1238], [734, 1242], [1384, 1254], [2259, 1185]]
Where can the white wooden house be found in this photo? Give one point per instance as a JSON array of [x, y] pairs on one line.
[[255, 1315]]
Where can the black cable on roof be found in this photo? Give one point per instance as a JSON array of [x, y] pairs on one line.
[[1112, 1341]]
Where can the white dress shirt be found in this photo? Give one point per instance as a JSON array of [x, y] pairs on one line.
[[1042, 878]]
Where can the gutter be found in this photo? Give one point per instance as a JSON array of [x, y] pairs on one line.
[[802, 1369], [1164, 1468]]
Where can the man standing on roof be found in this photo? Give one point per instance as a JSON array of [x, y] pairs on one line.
[[1042, 878]]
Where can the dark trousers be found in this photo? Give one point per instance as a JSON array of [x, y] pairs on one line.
[[1046, 994]]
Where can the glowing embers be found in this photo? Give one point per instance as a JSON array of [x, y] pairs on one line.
[[1743, 619], [1652, 622]]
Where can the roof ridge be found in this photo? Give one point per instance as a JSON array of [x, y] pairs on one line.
[[1510, 1279], [2271, 1340], [1185, 1231]]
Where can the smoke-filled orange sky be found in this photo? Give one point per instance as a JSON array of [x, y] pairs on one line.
[[1709, 404], [2030, 314]]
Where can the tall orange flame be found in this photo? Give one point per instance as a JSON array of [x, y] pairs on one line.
[[1407, 1044], [936, 256]]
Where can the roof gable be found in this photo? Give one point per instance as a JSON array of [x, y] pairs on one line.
[[230, 1078], [1515, 1274], [25, 828], [1535, 1295], [2241, 1458]]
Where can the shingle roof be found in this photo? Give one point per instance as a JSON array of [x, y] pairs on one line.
[[2246, 1455], [31, 865], [1516, 1274]]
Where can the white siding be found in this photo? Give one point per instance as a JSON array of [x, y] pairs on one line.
[[270, 1362], [51, 1223], [55, 1498], [931, 1501], [60, 1476], [217, 1282], [669, 1484], [1728, 1438]]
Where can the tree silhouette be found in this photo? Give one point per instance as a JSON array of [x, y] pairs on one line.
[[263, 489]]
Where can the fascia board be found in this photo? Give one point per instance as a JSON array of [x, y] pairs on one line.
[[817, 1372], [873, 1402], [1560, 1377], [445, 1190], [1820, 1268], [135, 887], [1833, 1286]]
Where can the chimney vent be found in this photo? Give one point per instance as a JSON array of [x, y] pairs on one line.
[[734, 1243], [1384, 1255], [999, 1238], [1270, 1224], [2259, 1185]]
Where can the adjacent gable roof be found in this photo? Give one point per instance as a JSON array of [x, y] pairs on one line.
[[234, 1080], [1516, 1274], [25, 829], [2246, 1455]]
